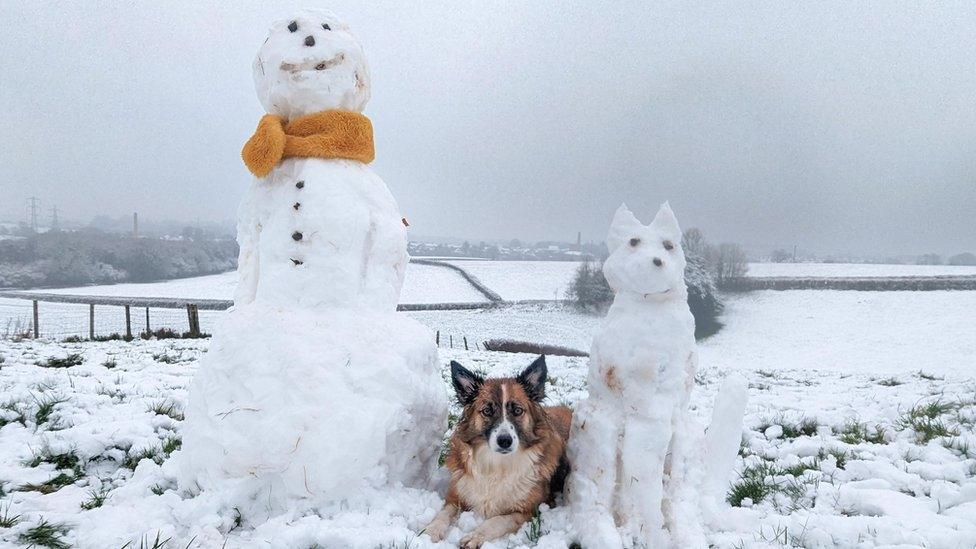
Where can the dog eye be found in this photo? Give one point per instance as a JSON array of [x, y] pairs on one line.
[[487, 411], [326, 26], [634, 242], [668, 245], [517, 410], [293, 26]]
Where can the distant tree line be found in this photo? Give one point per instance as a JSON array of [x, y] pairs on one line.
[[93, 257], [708, 268]]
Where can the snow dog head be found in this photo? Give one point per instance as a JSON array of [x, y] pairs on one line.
[[311, 62], [500, 414], [646, 261]]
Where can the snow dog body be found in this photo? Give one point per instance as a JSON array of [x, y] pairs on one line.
[[629, 445], [507, 453]]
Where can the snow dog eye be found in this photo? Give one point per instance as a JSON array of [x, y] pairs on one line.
[[326, 26], [634, 242], [487, 411], [668, 245], [293, 26], [517, 410]]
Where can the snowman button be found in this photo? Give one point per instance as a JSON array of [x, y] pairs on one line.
[[297, 205], [297, 262], [300, 184], [296, 236]]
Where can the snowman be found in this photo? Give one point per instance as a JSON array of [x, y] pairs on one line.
[[314, 388]]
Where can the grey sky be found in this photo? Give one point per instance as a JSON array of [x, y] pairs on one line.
[[833, 126]]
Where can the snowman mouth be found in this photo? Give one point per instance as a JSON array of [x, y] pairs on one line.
[[313, 64]]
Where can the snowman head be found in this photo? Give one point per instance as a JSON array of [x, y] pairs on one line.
[[310, 63], [646, 260]]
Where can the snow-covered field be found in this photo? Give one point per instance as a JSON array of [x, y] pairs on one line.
[[859, 432], [516, 280], [832, 270]]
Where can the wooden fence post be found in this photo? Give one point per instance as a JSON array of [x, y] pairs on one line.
[[37, 329], [148, 329], [91, 321], [437, 338], [192, 315], [465, 343], [452, 341], [128, 323]]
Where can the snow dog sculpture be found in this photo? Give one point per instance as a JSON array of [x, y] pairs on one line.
[[637, 454]]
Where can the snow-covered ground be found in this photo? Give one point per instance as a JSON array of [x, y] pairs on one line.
[[830, 270], [859, 431], [515, 280]]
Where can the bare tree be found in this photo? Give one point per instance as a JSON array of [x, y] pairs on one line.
[[730, 264]]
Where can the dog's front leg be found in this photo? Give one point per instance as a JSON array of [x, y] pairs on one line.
[[494, 528], [438, 527]]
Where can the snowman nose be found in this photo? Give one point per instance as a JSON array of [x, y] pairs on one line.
[[310, 40], [658, 262]]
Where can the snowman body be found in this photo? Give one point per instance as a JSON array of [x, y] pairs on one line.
[[321, 233], [314, 388]]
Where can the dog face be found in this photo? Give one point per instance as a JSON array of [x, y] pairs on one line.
[[309, 63], [500, 413], [646, 260]]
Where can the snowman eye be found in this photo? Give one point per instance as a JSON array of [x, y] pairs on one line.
[[634, 242], [293, 26], [326, 26], [668, 245]]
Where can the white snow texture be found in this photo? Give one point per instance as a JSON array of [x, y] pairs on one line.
[[314, 387], [635, 449]]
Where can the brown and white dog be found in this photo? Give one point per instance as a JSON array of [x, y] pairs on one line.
[[507, 453]]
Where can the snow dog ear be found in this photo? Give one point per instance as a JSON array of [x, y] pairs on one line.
[[533, 379], [466, 383], [666, 223], [622, 228]]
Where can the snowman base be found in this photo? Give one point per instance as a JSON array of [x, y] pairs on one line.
[[313, 405]]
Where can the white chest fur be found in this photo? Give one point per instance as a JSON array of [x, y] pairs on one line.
[[497, 484]]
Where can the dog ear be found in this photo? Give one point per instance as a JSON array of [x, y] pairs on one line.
[[623, 227], [466, 383], [533, 379]]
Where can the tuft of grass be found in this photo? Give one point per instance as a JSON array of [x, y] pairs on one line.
[[791, 429], [54, 484], [15, 414], [45, 408], [158, 489], [166, 407], [755, 483], [171, 445], [166, 358], [96, 499], [927, 423], [890, 382], [840, 456], [6, 519], [73, 359], [930, 377], [766, 373], [855, 433], [72, 339], [60, 460], [110, 363], [961, 446], [45, 534], [132, 460], [534, 531]]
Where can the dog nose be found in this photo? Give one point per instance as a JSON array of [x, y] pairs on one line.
[[504, 441], [658, 262], [310, 40]]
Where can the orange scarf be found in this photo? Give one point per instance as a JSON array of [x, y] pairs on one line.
[[326, 134]]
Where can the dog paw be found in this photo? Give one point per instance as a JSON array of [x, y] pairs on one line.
[[437, 530], [473, 540]]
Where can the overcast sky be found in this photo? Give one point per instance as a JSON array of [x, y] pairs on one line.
[[836, 127]]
